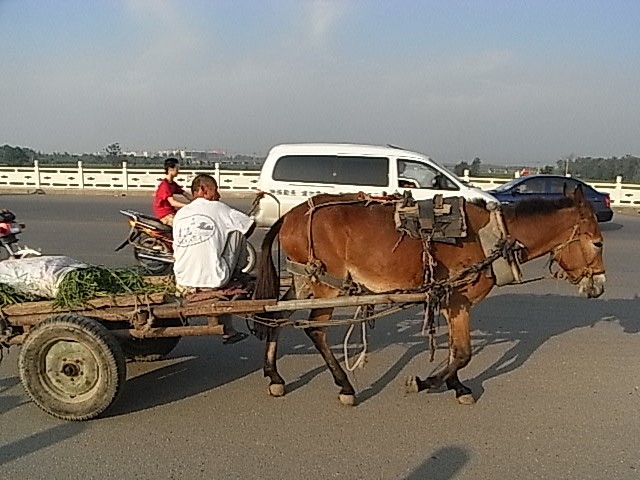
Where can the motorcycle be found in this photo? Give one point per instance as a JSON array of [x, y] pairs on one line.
[[9, 230], [152, 243]]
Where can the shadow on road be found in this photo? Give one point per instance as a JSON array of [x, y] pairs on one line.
[[541, 318], [9, 402], [610, 226], [524, 321], [38, 441], [197, 365], [443, 464]]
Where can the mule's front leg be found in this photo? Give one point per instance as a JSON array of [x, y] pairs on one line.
[[459, 356], [276, 382], [347, 394]]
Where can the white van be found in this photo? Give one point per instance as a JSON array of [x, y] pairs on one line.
[[293, 172]]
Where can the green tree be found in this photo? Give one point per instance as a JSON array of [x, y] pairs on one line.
[[113, 149], [15, 155], [114, 154], [474, 171], [460, 168]]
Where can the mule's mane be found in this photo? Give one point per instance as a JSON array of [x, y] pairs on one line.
[[537, 206], [478, 202]]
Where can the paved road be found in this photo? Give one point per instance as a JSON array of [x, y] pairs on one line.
[[558, 380]]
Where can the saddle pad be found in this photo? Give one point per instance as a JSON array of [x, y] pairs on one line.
[[440, 219]]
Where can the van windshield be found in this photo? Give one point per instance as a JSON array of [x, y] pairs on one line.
[[333, 169], [414, 174]]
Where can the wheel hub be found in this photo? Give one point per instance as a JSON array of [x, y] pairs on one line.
[[70, 369]]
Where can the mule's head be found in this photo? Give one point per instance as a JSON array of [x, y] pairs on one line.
[[580, 256]]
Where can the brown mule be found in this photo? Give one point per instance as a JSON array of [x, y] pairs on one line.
[[359, 241]]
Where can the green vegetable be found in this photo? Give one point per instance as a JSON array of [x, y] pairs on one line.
[[9, 296], [79, 286]]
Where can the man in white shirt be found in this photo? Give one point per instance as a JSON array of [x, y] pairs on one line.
[[209, 243]]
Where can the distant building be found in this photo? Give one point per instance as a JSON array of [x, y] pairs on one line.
[[136, 154]]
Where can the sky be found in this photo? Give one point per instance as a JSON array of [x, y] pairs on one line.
[[509, 82]]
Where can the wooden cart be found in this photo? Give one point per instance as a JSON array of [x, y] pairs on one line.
[[73, 362]]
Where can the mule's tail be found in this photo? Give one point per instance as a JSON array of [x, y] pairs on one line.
[[267, 281]]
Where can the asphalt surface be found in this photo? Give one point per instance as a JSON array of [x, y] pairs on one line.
[[557, 379]]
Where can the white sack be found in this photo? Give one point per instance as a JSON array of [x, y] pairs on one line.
[[39, 276]]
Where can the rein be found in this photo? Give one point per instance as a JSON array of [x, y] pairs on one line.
[[561, 273], [438, 291]]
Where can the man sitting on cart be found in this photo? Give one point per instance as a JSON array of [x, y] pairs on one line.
[[209, 241]]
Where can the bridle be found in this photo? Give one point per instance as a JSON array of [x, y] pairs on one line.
[[561, 273]]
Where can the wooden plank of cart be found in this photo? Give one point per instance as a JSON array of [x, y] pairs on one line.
[[73, 361]]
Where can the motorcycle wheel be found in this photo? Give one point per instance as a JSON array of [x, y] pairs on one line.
[[152, 266], [251, 259]]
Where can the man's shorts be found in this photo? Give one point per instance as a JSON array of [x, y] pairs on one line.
[[168, 219]]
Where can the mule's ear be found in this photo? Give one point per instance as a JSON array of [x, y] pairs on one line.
[[577, 193]]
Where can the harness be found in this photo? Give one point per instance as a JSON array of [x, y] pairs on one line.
[[561, 273], [429, 221], [437, 220]]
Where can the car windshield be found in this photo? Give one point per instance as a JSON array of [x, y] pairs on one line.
[[506, 186]]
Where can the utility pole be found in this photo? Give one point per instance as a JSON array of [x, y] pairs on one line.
[[567, 159]]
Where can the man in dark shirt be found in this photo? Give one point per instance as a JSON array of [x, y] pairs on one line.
[[165, 204]]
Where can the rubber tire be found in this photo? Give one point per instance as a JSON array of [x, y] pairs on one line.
[[251, 259], [102, 351], [151, 266], [147, 349]]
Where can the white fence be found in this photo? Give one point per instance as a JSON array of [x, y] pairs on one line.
[[119, 179], [140, 179]]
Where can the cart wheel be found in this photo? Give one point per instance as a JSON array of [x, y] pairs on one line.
[[72, 367], [147, 349]]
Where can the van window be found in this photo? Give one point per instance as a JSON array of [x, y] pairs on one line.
[[412, 174], [334, 169]]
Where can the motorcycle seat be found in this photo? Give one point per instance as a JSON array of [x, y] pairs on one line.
[[155, 224], [147, 220]]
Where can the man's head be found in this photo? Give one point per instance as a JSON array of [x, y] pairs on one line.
[[171, 166], [205, 186]]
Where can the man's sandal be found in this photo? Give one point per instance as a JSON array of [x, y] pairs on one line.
[[235, 338]]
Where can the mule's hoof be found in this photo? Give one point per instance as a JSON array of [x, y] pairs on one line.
[[466, 399], [347, 400], [276, 390], [411, 385]]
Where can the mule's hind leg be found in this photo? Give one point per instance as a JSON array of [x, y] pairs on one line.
[[319, 337], [270, 369], [457, 315], [463, 393], [276, 382]]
